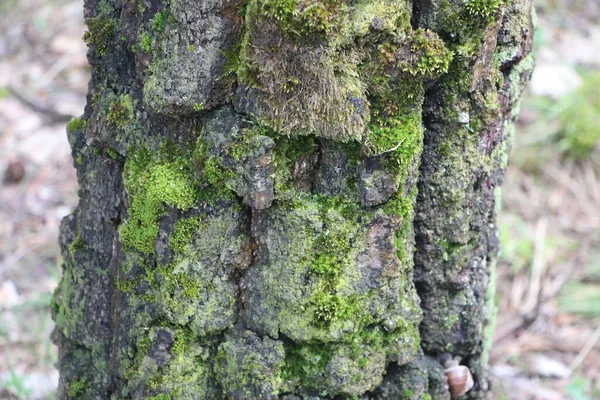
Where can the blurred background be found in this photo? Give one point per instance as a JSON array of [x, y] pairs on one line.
[[547, 341]]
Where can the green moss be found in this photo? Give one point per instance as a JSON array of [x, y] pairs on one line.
[[154, 382], [483, 8], [161, 396], [304, 364], [153, 182], [99, 34], [299, 17], [121, 112], [428, 55], [402, 133], [126, 285], [249, 367], [76, 245], [213, 172], [182, 233], [146, 42], [198, 106], [75, 124], [184, 373], [112, 154], [332, 307], [77, 387], [158, 21]]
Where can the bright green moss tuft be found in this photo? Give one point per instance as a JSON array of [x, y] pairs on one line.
[[146, 43], [75, 124], [213, 172], [77, 244], [77, 387], [152, 183], [332, 307], [298, 17], [483, 8], [158, 22], [395, 133], [429, 57], [125, 285], [330, 255], [161, 396], [112, 154], [182, 233], [99, 34]]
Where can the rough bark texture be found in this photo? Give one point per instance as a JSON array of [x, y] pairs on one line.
[[287, 199]]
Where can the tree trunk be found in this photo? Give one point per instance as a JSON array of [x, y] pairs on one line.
[[287, 199]]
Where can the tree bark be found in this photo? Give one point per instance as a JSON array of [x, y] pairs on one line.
[[288, 199]]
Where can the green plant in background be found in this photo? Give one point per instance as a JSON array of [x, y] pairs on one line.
[[577, 389], [15, 384], [582, 296], [570, 125], [517, 245], [579, 116]]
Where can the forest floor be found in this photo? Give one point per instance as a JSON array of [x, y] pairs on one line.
[[547, 341]]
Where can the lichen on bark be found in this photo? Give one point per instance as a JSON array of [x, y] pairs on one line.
[[286, 199]]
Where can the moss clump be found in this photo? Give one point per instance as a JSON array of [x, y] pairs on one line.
[[158, 21], [76, 245], [161, 396], [428, 56], [99, 34], [304, 364], [112, 154], [483, 8], [331, 307], [395, 133], [395, 73], [153, 182], [299, 17], [77, 387], [182, 233], [121, 111], [146, 43], [75, 124]]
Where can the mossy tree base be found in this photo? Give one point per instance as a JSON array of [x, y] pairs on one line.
[[287, 199]]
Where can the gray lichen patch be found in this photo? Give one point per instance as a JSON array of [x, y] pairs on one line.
[[249, 367], [168, 360], [245, 155], [203, 293], [188, 58]]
